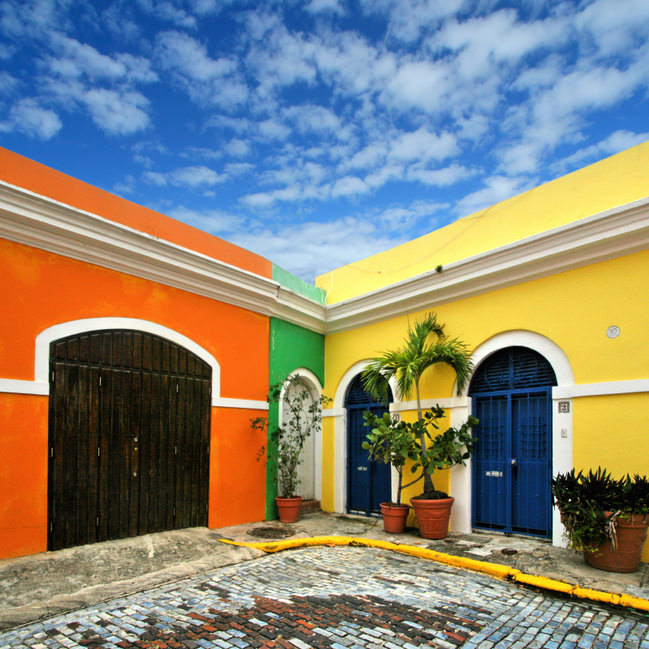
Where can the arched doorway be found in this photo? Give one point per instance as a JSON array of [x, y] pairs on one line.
[[368, 483], [129, 426], [309, 471], [512, 461]]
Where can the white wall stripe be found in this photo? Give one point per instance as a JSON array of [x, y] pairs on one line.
[[15, 386]]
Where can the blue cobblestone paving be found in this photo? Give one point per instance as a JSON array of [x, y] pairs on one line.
[[338, 598]]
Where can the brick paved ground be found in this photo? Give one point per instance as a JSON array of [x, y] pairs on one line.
[[337, 598]]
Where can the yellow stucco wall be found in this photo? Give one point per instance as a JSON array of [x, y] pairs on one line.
[[572, 309], [612, 182], [612, 431]]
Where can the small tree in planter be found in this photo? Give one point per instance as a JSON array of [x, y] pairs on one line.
[[397, 442], [302, 416], [606, 519], [391, 442], [426, 345]]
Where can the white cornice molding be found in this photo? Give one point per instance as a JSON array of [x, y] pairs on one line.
[[618, 231], [47, 224], [44, 223]]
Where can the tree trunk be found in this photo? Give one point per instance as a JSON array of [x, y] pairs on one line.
[[429, 487]]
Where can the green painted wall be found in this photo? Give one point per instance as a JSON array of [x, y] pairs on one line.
[[290, 347]]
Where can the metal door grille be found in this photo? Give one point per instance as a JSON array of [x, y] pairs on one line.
[[368, 483], [512, 463]]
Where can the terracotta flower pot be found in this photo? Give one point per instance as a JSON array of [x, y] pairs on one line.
[[289, 508], [394, 517], [432, 516], [631, 532]]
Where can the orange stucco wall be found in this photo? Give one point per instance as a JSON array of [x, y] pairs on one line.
[[23, 474], [23, 172], [40, 289], [237, 469]]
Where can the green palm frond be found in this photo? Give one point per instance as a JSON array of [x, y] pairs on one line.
[[407, 364]]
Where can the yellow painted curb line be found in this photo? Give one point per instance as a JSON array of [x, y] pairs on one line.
[[493, 569]]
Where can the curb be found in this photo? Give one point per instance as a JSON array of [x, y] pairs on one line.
[[493, 569]]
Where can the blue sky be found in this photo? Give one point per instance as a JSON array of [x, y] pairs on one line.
[[317, 133]]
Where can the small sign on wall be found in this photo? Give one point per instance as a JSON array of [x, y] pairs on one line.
[[564, 406]]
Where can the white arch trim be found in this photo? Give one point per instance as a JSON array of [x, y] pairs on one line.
[[562, 457], [40, 384], [314, 386], [521, 338]]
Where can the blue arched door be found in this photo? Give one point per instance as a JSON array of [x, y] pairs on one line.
[[368, 483], [512, 461]]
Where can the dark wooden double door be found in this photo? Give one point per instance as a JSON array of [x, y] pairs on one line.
[[129, 429]]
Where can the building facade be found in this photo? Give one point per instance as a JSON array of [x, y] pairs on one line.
[[557, 321], [135, 350]]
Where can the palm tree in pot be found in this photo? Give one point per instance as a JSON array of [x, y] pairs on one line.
[[426, 345]]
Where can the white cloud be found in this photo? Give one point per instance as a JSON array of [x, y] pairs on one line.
[[273, 130], [615, 27], [310, 118], [321, 6], [204, 78], [370, 156], [497, 37], [306, 248], [29, 118], [115, 112], [400, 218], [614, 143], [409, 18], [238, 168], [166, 10], [187, 56], [349, 186], [498, 188], [74, 59], [8, 83], [194, 176], [213, 221], [423, 145], [29, 18], [237, 148], [441, 177], [419, 84]]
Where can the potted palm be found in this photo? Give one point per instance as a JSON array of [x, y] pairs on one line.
[[302, 416], [604, 518], [426, 345]]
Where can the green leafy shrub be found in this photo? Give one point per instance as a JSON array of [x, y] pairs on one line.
[[395, 442]]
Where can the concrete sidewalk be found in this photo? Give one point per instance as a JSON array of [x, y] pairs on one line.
[[50, 583]]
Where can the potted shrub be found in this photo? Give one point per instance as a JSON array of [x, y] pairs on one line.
[[606, 519], [426, 345], [391, 441], [396, 442], [302, 416]]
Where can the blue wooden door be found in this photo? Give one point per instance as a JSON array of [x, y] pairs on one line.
[[512, 462], [368, 483]]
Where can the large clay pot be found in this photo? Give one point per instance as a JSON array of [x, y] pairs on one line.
[[631, 532], [433, 516], [394, 517], [289, 508]]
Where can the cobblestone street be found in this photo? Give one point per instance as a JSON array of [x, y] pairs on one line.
[[338, 598]]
